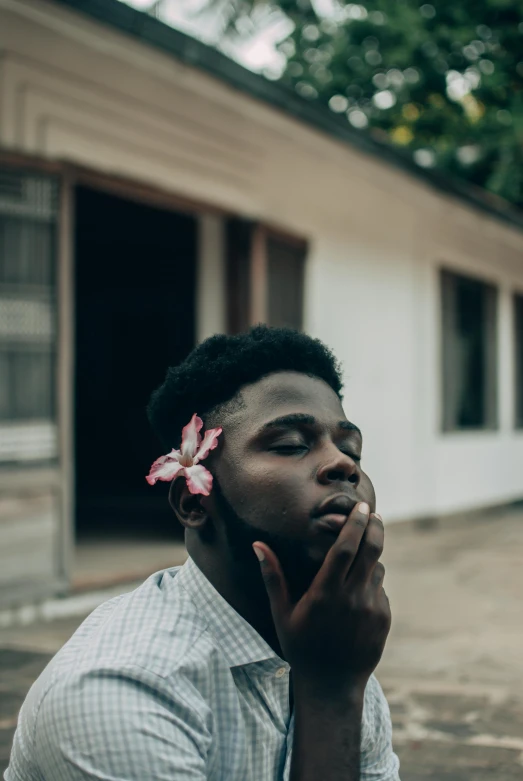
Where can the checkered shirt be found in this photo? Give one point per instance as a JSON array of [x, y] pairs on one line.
[[169, 682]]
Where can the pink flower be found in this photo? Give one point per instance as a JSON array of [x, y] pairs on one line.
[[186, 460]]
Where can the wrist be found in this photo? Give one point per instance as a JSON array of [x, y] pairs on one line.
[[347, 692]]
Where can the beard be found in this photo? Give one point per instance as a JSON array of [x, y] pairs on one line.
[[298, 567]]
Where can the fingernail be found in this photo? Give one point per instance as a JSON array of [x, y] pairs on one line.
[[363, 508], [259, 553], [378, 517]]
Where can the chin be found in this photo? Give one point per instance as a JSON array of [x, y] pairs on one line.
[[319, 548], [307, 571]]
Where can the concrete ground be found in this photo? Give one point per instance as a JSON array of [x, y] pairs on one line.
[[100, 561], [453, 666]]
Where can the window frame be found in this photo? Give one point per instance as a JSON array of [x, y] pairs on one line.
[[517, 337], [492, 369], [33, 437], [247, 270]]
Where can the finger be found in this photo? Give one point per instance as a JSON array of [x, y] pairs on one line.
[[385, 608], [378, 575], [340, 557], [274, 581], [369, 551]]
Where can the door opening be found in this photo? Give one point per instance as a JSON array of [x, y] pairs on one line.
[[135, 315]]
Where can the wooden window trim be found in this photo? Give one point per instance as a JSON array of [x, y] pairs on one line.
[[30, 163], [448, 426], [259, 263], [258, 276], [74, 175], [292, 239], [123, 187], [517, 300]]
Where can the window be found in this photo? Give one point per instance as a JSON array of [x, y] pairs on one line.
[[518, 341], [469, 325], [28, 214], [265, 277], [285, 277], [238, 243]]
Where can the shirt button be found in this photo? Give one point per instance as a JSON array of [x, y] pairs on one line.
[[281, 672]]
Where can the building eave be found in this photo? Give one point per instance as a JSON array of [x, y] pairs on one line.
[[150, 31]]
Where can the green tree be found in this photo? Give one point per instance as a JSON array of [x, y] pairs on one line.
[[443, 79]]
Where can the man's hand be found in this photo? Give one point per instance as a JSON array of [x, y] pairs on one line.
[[333, 638], [335, 634]]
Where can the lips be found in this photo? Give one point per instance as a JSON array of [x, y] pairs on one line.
[[332, 513], [340, 504]]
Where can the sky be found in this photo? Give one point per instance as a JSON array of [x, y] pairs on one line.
[[257, 49]]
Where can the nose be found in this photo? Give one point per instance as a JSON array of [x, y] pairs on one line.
[[339, 468]]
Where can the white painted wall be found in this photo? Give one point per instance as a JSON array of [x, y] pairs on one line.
[[72, 89]]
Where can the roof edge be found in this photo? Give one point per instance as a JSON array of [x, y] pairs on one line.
[[190, 51]]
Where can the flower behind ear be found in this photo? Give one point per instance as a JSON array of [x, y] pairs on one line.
[[186, 460]]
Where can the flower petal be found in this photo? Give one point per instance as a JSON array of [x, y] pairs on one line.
[[164, 468], [199, 479], [210, 441], [191, 437]]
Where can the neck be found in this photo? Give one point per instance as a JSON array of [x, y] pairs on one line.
[[244, 590]]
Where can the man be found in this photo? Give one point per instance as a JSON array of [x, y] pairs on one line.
[[229, 668]]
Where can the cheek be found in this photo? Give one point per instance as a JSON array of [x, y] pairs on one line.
[[266, 488], [367, 491]]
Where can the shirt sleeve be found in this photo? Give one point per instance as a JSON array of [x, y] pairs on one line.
[[378, 760], [124, 725]]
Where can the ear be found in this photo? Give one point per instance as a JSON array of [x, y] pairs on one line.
[[187, 506]]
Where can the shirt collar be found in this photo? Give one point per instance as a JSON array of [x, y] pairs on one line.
[[239, 642]]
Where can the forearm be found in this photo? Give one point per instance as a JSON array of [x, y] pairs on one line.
[[327, 733]]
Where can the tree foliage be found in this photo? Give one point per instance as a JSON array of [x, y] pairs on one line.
[[441, 79]]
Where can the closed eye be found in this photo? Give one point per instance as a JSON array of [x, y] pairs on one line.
[[354, 457], [288, 449]]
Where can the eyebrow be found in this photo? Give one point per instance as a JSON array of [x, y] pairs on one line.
[[296, 418]]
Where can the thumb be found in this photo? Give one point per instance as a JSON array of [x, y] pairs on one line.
[[274, 580]]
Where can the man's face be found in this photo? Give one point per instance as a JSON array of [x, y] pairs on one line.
[[287, 452]]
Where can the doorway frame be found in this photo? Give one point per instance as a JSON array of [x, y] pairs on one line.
[[70, 176]]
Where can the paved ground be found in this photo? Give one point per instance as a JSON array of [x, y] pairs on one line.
[[453, 667], [101, 561]]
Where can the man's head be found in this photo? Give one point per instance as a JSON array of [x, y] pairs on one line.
[[286, 449]]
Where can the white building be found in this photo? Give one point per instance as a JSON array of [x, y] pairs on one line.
[[153, 192]]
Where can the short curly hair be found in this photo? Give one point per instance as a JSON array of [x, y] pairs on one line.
[[208, 381]]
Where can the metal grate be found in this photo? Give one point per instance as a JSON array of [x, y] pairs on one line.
[[36, 441], [28, 226], [26, 320], [25, 195], [26, 252]]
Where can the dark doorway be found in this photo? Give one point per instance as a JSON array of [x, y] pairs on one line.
[[135, 315]]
